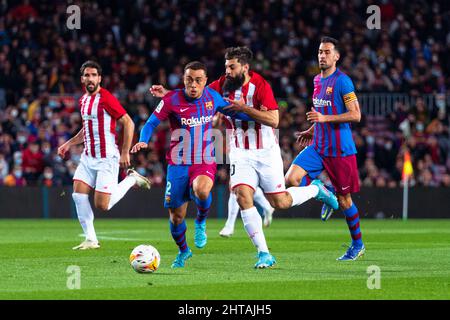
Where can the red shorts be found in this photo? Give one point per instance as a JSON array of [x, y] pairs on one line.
[[343, 172], [196, 170]]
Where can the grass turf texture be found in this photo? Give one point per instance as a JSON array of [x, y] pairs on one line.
[[413, 258]]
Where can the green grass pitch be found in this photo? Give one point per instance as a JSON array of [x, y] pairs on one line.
[[413, 258]]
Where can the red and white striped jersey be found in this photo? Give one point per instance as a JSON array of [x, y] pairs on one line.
[[250, 134], [99, 114]]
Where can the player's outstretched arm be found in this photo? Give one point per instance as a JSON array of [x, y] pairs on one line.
[[146, 133], [77, 139], [269, 118], [128, 132], [139, 146], [158, 91]]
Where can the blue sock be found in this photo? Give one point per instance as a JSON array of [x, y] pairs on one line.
[[203, 207], [352, 217], [178, 234]]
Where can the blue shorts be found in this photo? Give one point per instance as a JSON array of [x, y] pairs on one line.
[[179, 181], [311, 161], [177, 186], [342, 171]]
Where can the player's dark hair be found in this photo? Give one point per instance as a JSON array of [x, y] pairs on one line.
[[91, 64], [196, 65], [331, 40], [243, 54]]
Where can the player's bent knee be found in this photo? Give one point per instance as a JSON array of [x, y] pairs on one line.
[[245, 201], [278, 201], [344, 202], [292, 181], [202, 193], [102, 206], [175, 219]]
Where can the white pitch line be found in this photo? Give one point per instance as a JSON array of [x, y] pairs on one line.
[[114, 238]]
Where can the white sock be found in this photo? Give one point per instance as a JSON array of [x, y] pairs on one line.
[[233, 211], [302, 194], [120, 190], [260, 198], [253, 225], [85, 215]]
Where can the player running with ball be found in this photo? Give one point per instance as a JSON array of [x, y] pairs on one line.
[[255, 153], [192, 167]]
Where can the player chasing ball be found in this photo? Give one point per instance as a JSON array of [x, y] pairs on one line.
[[98, 169], [255, 153], [191, 157]]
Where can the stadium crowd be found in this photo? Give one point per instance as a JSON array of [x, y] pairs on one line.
[[143, 43]]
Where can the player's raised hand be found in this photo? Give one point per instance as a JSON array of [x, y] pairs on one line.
[[315, 116], [138, 146], [235, 105], [304, 138], [158, 90], [125, 160], [62, 150]]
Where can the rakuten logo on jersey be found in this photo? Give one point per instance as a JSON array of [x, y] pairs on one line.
[[321, 102], [193, 122]]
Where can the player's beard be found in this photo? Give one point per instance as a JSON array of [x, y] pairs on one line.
[[92, 90], [324, 66], [232, 84]]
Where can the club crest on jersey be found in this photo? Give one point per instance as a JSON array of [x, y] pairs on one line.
[[209, 105], [329, 90]]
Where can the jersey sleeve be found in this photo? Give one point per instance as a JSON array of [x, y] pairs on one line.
[[163, 109], [220, 103], [346, 89], [266, 97], [215, 85], [113, 107]]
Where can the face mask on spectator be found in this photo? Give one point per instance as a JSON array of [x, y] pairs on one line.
[[18, 174], [142, 171], [48, 175], [370, 140], [419, 127], [14, 113], [24, 106], [22, 139], [388, 145], [46, 150]]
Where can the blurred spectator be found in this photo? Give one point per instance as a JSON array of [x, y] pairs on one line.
[[15, 178], [40, 83], [33, 162], [48, 179]]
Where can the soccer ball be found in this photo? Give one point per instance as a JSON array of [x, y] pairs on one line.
[[145, 258]]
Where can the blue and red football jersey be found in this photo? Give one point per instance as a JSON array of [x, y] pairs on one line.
[[191, 125], [329, 98]]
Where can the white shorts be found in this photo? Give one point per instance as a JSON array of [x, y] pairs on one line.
[[99, 174], [263, 168]]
